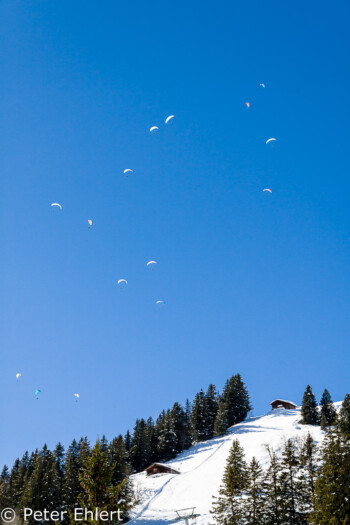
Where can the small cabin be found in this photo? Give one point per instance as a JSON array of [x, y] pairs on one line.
[[281, 403], [160, 468]]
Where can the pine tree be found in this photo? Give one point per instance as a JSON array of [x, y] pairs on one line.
[[5, 500], [36, 493], [198, 417], [182, 428], [152, 440], [139, 451], [309, 464], [332, 488], [211, 410], [328, 412], [167, 439], [71, 485], [127, 441], [291, 486], [273, 491], [228, 507], [254, 504], [99, 491], [118, 458], [234, 405], [309, 408], [343, 421]]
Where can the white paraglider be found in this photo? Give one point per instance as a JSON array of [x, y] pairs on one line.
[[153, 128], [56, 204], [122, 283], [169, 118], [151, 263], [262, 85], [128, 170], [160, 303], [269, 140], [268, 190]]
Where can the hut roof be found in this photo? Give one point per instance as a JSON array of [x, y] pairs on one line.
[[283, 401]]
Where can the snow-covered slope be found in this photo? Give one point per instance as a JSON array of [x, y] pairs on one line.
[[202, 467]]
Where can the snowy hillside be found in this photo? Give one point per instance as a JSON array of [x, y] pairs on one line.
[[202, 467]]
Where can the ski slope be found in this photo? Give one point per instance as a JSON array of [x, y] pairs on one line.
[[202, 467]]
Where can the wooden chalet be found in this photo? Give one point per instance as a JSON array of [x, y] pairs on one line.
[[281, 403], [160, 468]]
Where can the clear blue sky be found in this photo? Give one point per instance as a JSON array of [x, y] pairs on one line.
[[254, 283]]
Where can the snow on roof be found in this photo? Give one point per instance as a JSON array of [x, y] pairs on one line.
[[283, 401]]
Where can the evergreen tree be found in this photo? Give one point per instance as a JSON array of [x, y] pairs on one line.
[[198, 417], [309, 408], [5, 500], [228, 507], [152, 440], [328, 412], [99, 491], [332, 488], [119, 460], [309, 465], [234, 405], [37, 491], [211, 410], [127, 441], [139, 451], [273, 491], [182, 428], [167, 439], [254, 504], [71, 485], [291, 486], [343, 421]]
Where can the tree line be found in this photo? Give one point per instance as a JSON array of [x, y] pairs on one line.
[[305, 484], [94, 476]]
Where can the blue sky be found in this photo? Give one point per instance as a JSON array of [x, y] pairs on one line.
[[254, 284]]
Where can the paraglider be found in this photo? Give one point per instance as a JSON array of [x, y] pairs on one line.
[[247, 104], [160, 303], [169, 118], [76, 397], [269, 140], [262, 85], [36, 393], [18, 375], [128, 170], [122, 283], [90, 223], [151, 263], [56, 204], [153, 128], [267, 189]]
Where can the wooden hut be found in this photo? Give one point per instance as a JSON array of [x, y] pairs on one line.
[[281, 403], [160, 468]]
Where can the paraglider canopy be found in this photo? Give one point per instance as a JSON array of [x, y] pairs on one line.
[[76, 395], [18, 375], [90, 222], [247, 104], [36, 393], [262, 85], [56, 204], [269, 140], [128, 170], [268, 190], [151, 263], [169, 118], [122, 283], [160, 302], [153, 128]]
